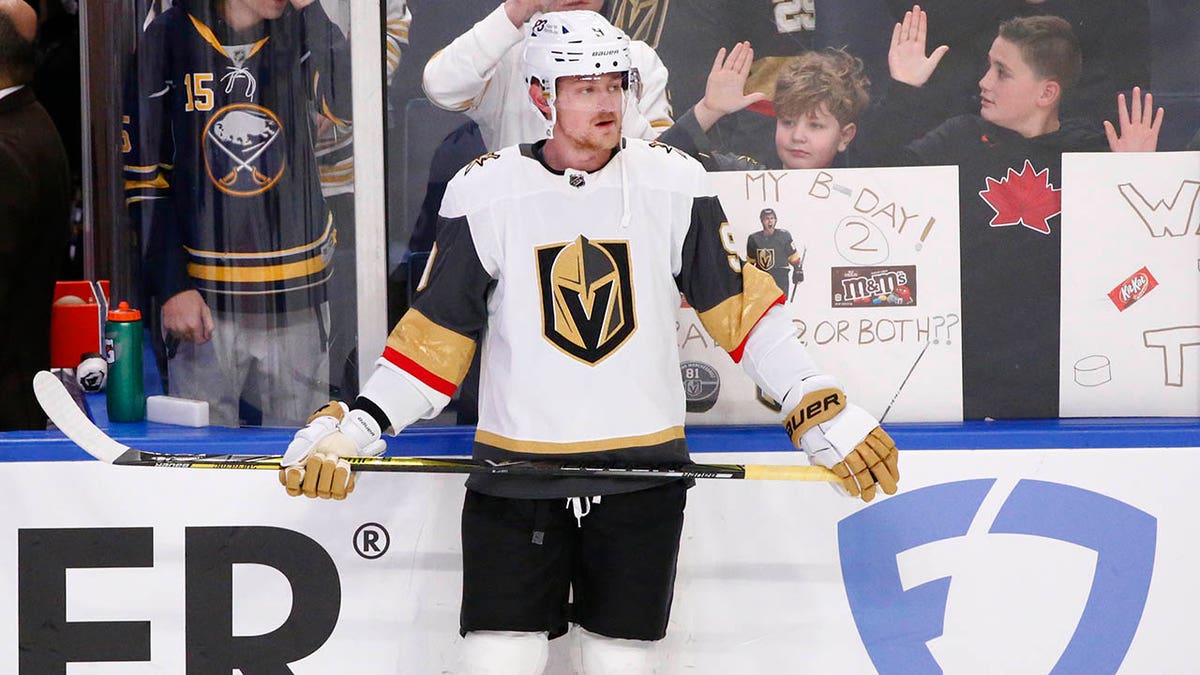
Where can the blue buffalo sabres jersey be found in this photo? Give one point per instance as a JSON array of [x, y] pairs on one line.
[[219, 167]]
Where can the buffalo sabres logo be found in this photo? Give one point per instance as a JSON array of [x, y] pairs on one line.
[[765, 259], [243, 151], [587, 297]]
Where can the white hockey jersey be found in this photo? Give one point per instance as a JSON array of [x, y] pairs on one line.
[[479, 73], [571, 280]]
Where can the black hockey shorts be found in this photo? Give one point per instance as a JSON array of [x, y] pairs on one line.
[[529, 566]]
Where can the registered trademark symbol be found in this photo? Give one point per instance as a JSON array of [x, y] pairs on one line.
[[371, 540]]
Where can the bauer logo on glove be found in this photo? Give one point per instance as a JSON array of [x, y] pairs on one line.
[[846, 439], [816, 407]]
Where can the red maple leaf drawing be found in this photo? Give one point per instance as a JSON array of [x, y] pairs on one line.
[[1026, 198]]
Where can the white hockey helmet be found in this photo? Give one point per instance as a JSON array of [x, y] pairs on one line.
[[574, 43]]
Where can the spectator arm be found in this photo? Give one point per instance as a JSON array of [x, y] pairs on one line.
[[889, 128], [687, 135], [653, 104], [455, 77]]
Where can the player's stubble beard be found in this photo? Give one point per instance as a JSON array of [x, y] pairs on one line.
[[596, 139]]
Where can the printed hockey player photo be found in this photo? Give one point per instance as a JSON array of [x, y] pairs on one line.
[[772, 251]]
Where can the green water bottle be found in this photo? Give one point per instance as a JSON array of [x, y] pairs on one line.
[[126, 393]]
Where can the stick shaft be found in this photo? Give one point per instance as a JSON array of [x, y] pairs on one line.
[[134, 457], [67, 416]]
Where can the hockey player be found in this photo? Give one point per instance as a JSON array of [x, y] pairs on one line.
[[220, 175], [772, 251], [572, 253], [480, 74]]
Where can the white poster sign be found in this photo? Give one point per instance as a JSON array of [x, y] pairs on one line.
[[1130, 340], [877, 305]]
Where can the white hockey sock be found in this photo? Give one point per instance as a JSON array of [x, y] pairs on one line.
[[490, 652], [603, 655]]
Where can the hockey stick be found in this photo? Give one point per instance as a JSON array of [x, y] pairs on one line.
[[800, 268], [903, 382], [66, 415]]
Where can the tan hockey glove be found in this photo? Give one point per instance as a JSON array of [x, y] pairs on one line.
[[314, 464], [842, 437]]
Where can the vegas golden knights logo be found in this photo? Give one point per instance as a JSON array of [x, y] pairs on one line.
[[587, 297], [641, 19], [765, 259]]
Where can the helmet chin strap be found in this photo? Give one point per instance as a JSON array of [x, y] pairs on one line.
[[551, 98]]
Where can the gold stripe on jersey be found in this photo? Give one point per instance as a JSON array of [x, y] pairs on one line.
[[145, 169], [573, 447], [343, 170], [258, 274], [435, 348], [731, 321], [225, 255], [159, 182]]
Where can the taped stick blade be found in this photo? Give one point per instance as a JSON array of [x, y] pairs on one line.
[[56, 401]]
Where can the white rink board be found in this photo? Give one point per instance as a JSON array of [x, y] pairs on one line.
[[1122, 214], [881, 219], [766, 581]]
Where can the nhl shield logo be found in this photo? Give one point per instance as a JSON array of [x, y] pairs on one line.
[[243, 151], [587, 297]]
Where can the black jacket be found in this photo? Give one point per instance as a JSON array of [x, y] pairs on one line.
[[1010, 238], [35, 199]]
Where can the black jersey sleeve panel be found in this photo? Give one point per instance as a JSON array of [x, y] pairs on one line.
[[710, 269], [436, 338], [729, 297], [454, 287]]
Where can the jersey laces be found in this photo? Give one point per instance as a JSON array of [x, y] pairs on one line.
[[235, 74]]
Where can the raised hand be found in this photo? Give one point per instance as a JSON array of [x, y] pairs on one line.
[[520, 11], [723, 92], [1138, 132], [906, 57]]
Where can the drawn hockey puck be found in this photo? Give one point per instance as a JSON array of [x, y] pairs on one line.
[[701, 384]]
